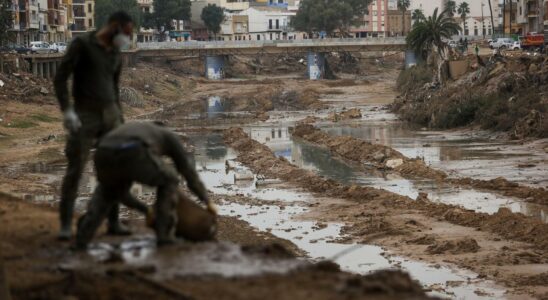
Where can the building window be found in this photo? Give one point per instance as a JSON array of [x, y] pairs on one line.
[[89, 8], [277, 24], [270, 24], [258, 37], [90, 21]]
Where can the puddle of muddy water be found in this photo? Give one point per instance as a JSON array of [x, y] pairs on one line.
[[198, 259], [307, 156], [317, 239], [456, 153]]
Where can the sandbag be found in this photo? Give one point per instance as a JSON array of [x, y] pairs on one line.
[[195, 223]]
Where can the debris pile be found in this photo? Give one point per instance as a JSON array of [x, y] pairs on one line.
[[508, 94], [26, 88]]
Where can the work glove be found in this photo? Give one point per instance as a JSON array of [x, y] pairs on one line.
[[71, 121], [211, 208]]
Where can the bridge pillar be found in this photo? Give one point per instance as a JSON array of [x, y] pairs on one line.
[[214, 67], [46, 70], [410, 59], [40, 69], [316, 65], [34, 68]]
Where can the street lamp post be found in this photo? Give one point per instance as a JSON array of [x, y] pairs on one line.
[[482, 20]]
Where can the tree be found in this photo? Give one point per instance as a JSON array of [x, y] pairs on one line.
[[213, 16], [417, 16], [165, 11], [104, 8], [315, 16], [429, 35], [492, 18], [403, 5], [463, 11], [6, 20], [451, 7]]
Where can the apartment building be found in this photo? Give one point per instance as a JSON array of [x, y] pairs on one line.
[[374, 22], [84, 11], [531, 13]]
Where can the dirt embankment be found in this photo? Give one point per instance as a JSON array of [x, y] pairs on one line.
[[386, 158], [262, 161], [36, 267], [507, 94]]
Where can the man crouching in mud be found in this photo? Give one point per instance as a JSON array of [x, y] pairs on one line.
[[132, 153]]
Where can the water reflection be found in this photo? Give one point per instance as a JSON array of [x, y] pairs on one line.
[[322, 162], [451, 152]]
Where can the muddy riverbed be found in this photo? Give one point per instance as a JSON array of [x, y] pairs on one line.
[[449, 259]]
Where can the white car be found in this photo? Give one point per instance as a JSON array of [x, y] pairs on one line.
[[516, 46], [502, 43], [40, 48], [58, 47]]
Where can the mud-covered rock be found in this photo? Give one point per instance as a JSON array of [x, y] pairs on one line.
[[466, 245]]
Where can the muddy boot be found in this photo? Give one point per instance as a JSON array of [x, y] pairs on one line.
[[65, 233], [118, 229], [65, 212]]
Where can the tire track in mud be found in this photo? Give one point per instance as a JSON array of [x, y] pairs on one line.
[[261, 160], [386, 158]]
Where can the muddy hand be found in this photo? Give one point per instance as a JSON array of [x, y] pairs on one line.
[[212, 208]]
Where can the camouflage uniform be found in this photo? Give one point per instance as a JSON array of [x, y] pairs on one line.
[[96, 73], [132, 153]]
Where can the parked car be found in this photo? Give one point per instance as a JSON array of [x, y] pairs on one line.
[[40, 47], [15, 48], [452, 44], [502, 43], [58, 47], [516, 46]]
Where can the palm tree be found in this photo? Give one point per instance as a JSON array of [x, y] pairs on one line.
[[417, 16], [403, 5], [428, 35], [451, 7], [463, 10]]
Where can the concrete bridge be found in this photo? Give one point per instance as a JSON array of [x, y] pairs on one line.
[[215, 52]]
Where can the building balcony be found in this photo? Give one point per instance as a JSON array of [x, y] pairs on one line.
[[279, 28], [240, 30]]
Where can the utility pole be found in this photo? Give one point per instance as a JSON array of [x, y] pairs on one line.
[[504, 17], [511, 11], [482, 20]]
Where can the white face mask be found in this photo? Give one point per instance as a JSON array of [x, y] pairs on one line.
[[121, 40]]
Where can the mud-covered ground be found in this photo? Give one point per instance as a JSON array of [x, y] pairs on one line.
[[290, 195]]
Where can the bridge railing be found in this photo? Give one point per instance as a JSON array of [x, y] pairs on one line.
[[274, 43]]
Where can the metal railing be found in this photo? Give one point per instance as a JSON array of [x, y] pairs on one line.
[[274, 43]]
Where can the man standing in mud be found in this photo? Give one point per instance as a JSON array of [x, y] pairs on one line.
[[95, 63], [133, 153]]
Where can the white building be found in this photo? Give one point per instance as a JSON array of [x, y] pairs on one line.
[[269, 23], [476, 26]]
